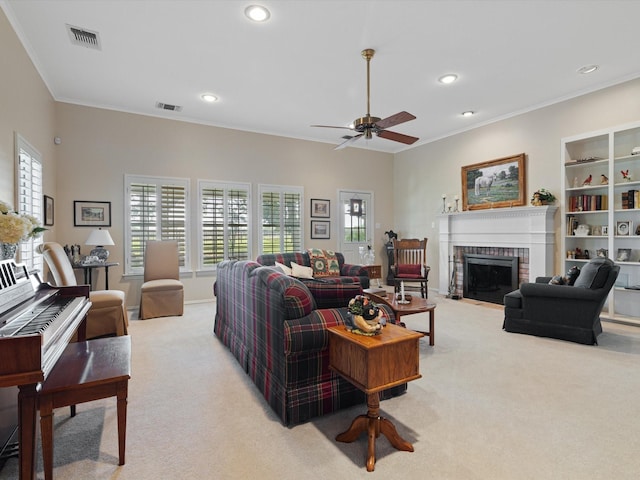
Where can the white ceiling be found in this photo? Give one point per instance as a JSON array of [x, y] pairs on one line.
[[304, 67]]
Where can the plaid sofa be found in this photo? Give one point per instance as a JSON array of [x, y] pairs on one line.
[[270, 323], [328, 292]]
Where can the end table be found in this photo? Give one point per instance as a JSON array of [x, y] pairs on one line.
[[374, 364]]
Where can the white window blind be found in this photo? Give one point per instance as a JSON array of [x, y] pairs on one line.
[[281, 218], [224, 222], [157, 210], [29, 199]]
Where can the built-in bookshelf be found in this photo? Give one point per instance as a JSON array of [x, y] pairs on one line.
[[600, 206]]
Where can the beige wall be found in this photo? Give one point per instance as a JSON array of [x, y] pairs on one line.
[[26, 107], [100, 146], [423, 174]]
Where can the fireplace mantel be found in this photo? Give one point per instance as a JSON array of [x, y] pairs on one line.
[[517, 227]]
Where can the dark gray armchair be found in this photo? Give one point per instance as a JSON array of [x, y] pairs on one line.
[[561, 311]]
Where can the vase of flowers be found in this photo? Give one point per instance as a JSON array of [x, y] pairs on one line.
[[542, 197], [15, 228]]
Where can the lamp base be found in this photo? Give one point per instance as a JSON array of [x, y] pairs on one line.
[[100, 252]]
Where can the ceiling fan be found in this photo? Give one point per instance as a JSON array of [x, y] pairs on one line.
[[366, 126]]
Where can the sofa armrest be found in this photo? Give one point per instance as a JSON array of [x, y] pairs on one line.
[[351, 270], [308, 334], [560, 291]]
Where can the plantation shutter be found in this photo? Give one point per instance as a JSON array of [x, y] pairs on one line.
[[281, 219], [225, 232], [158, 210], [29, 201]]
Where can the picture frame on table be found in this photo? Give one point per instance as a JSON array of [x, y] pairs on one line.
[[320, 208], [623, 228], [91, 214], [48, 211], [605, 230], [320, 229], [495, 184]]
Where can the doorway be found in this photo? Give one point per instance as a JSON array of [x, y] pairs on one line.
[[355, 231]]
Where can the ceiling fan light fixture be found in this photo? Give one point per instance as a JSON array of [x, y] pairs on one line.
[[587, 69], [448, 78], [209, 97], [468, 113], [257, 13]]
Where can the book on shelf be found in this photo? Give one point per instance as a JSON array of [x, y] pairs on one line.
[[630, 199], [572, 224], [580, 203]]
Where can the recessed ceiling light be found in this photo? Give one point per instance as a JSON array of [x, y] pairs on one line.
[[587, 69], [209, 97], [468, 113], [257, 13], [448, 78]]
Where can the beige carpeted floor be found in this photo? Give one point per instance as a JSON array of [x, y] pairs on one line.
[[490, 405]]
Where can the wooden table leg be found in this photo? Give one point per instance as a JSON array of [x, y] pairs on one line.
[[27, 407], [373, 424]]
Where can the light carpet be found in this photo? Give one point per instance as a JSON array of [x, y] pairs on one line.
[[490, 405]]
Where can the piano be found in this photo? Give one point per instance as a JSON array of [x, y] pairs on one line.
[[37, 321]]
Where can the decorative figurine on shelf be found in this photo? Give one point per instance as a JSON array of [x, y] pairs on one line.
[[364, 317], [587, 181], [604, 180], [625, 175], [541, 197]]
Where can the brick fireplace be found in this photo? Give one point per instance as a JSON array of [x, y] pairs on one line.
[[523, 232]]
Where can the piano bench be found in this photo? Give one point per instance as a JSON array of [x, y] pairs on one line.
[[86, 371]]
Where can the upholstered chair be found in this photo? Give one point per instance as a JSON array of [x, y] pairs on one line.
[[162, 293], [108, 313]]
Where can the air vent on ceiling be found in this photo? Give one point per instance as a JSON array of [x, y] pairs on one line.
[[167, 106], [83, 37]]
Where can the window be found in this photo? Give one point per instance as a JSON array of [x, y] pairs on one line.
[[29, 199], [281, 218], [157, 209], [224, 214]]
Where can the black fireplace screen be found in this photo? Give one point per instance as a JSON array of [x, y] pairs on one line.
[[489, 277]]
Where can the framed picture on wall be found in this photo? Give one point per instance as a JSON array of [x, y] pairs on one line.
[[320, 208], [48, 211], [495, 184], [320, 229], [91, 214]]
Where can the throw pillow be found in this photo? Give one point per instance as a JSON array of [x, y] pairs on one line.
[[286, 270], [594, 274], [556, 280], [300, 271], [572, 275], [324, 263]]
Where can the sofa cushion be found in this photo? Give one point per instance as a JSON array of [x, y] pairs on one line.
[[300, 271], [324, 263], [594, 274], [409, 270]]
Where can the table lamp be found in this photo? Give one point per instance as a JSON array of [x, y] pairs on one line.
[[100, 238]]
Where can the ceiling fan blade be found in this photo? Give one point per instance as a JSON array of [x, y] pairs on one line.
[[348, 142], [331, 126], [393, 120], [398, 137]]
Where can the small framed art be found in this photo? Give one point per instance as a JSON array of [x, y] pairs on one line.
[[320, 229], [48, 211], [623, 228], [320, 208], [624, 255], [91, 214]]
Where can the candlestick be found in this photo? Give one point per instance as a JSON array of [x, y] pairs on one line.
[[444, 201], [401, 290], [456, 209]]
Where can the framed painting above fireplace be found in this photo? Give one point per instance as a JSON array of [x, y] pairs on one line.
[[494, 184]]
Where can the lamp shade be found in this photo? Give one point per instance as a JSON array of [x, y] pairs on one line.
[[99, 237]]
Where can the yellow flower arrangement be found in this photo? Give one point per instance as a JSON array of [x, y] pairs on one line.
[[15, 228]]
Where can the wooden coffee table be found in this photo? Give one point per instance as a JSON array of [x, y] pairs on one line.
[[416, 305], [374, 364]]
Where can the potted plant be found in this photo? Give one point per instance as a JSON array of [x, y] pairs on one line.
[[542, 196]]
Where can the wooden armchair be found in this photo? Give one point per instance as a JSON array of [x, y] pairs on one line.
[[410, 263]]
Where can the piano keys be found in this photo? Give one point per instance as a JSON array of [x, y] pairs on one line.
[[37, 322]]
